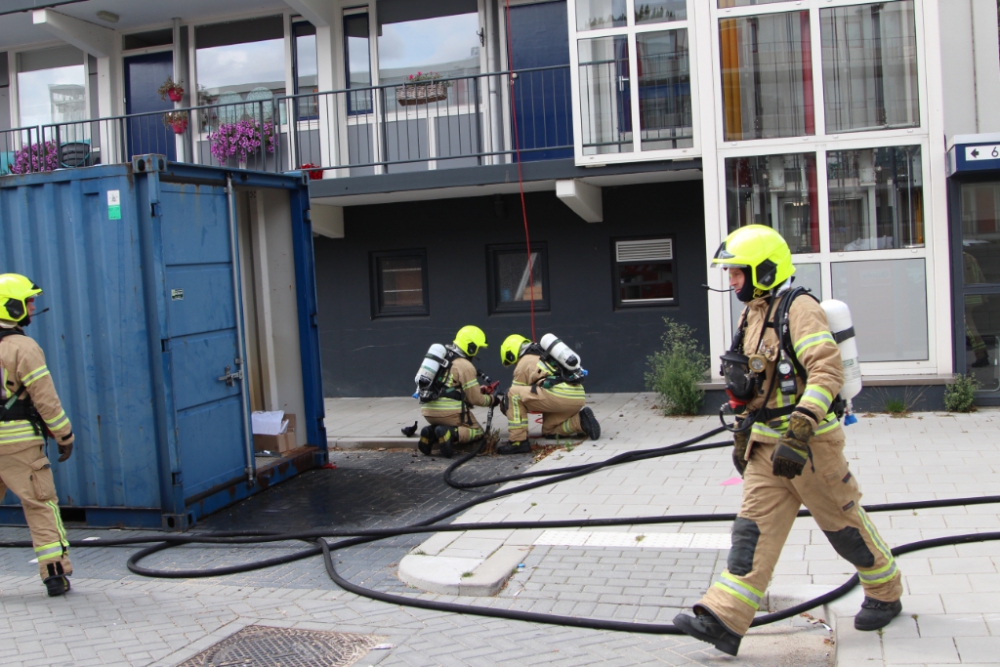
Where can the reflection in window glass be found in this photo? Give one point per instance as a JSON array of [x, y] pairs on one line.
[[746, 3], [664, 90], [306, 78], [598, 14], [658, 11], [982, 338], [767, 76], [888, 305], [778, 191], [605, 95], [512, 287], [54, 95], [981, 232], [357, 60], [436, 38], [870, 67], [876, 198]]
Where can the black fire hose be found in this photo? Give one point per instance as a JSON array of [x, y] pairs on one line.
[[356, 537]]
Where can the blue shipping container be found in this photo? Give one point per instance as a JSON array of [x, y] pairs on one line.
[[182, 297]]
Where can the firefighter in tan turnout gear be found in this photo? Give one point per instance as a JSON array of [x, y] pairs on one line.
[[539, 385], [30, 408], [452, 390], [793, 452]]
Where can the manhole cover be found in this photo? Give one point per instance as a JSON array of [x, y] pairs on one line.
[[260, 646]]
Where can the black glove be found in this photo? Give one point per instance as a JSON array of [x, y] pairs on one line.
[[498, 399], [793, 451], [65, 451], [740, 441]]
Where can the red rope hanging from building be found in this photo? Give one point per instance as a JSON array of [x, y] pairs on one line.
[[520, 177]]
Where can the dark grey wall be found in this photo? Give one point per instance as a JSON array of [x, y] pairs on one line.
[[366, 357]]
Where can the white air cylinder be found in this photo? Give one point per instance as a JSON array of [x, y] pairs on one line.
[[561, 352], [430, 366], [839, 317]]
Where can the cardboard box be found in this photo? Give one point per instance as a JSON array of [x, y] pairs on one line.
[[277, 444]]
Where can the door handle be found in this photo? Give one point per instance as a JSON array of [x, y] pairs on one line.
[[230, 378]]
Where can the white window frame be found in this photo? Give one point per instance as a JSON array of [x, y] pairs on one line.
[[631, 30]]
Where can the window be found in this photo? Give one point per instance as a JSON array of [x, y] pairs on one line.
[[645, 272], [357, 62], [512, 287], [745, 3], [766, 91], [241, 66], [51, 86], [876, 199], [870, 67], [399, 283], [306, 68], [778, 191], [605, 99], [664, 90]]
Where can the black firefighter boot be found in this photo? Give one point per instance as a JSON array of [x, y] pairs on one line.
[[512, 447], [588, 422], [876, 614], [57, 582], [447, 437], [427, 440], [707, 628]]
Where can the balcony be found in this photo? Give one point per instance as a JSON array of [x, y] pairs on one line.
[[447, 123]]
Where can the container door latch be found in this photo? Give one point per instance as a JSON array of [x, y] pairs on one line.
[[230, 378]]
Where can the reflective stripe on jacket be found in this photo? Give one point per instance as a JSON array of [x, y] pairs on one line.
[[22, 364], [462, 374]]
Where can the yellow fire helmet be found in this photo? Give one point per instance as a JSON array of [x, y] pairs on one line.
[[470, 340], [762, 250], [510, 351], [15, 290]]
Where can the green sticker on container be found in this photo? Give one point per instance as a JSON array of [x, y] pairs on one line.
[[114, 205]]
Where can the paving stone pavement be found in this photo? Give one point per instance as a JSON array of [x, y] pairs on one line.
[[951, 614]]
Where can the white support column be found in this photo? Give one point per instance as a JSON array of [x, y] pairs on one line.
[[328, 220], [584, 199], [321, 13]]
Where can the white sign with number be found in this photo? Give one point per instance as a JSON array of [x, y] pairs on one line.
[[991, 152]]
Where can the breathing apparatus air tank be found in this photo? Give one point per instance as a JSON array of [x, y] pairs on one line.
[[562, 354], [434, 360], [838, 315]]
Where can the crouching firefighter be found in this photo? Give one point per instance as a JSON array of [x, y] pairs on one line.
[[448, 387], [785, 369], [547, 379], [29, 411]]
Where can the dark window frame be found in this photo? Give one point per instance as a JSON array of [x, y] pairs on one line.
[[615, 278], [496, 306], [378, 306]]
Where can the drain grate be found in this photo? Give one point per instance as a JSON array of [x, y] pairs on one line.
[[260, 646]]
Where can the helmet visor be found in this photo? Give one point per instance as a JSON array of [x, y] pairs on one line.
[[724, 259]]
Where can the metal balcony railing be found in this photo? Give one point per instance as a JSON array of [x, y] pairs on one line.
[[405, 126]]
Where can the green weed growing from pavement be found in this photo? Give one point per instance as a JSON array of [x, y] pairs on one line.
[[895, 406], [960, 396], [677, 369]]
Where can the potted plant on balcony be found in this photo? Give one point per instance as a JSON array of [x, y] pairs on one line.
[[241, 140], [35, 158], [421, 88], [172, 90], [311, 169], [176, 120]]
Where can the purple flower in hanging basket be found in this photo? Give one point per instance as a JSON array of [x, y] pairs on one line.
[[241, 140], [35, 158]]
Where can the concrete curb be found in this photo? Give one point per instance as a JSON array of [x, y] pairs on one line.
[[474, 577], [372, 444], [852, 647]]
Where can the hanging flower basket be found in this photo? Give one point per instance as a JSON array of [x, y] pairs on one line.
[[421, 93], [35, 158], [241, 140], [176, 121], [172, 90]]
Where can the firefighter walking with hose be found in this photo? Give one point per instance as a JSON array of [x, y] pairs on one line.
[[786, 368]]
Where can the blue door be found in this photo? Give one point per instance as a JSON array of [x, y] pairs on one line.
[[148, 134], [203, 351], [539, 36]]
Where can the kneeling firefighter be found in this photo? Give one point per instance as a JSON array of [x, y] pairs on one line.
[[29, 410], [448, 387], [547, 379], [786, 368]]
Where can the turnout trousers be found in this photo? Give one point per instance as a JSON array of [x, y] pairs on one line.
[[560, 415], [468, 430], [770, 504], [28, 474]]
